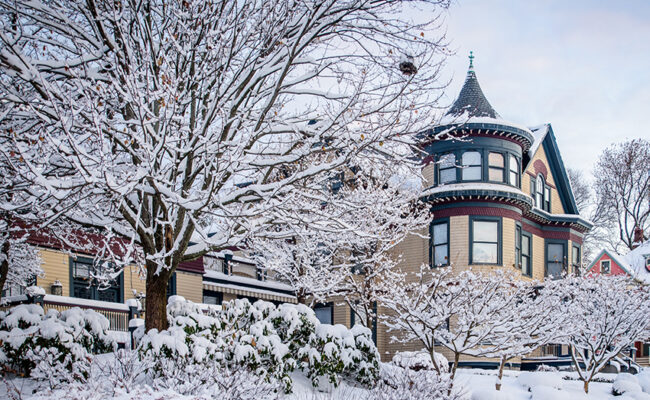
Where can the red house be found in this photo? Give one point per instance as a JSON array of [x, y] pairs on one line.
[[635, 264]]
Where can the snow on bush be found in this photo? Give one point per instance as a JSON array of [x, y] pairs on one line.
[[266, 340], [531, 380], [402, 383], [418, 360], [626, 383], [644, 380], [56, 346]]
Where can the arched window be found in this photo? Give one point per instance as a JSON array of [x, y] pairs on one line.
[[541, 193]]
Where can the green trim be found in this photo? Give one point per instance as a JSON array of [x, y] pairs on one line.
[[93, 287], [478, 192], [431, 246], [444, 206], [530, 252], [483, 126], [499, 221], [559, 172], [564, 244]]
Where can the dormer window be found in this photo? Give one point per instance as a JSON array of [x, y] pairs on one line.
[[471, 166], [647, 261], [447, 168], [496, 167]]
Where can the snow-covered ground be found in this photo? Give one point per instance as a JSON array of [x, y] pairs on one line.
[[477, 384]]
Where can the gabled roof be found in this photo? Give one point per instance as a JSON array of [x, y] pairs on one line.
[[545, 138], [633, 263]]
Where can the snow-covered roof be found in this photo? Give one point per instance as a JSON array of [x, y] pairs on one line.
[[248, 281], [635, 260], [473, 186], [633, 263], [539, 133], [461, 120]]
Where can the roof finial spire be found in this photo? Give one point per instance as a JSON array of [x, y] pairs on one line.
[[471, 59]]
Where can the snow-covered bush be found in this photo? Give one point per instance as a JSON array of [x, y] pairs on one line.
[[55, 346], [626, 383], [418, 360], [533, 379], [334, 351], [644, 379], [406, 384], [266, 340]]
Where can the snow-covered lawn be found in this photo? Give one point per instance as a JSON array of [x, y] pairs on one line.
[[476, 384]]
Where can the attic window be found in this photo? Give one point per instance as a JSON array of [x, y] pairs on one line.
[[541, 193], [605, 267]]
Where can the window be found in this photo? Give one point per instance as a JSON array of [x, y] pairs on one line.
[[472, 166], [555, 258], [605, 267], [518, 246], [85, 286], [541, 193], [647, 261], [526, 251], [440, 243], [496, 167], [211, 297], [447, 168], [576, 259], [485, 241], [261, 273], [514, 171], [324, 313], [171, 286]]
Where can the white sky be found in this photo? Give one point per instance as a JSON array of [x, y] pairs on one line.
[[582, 65]]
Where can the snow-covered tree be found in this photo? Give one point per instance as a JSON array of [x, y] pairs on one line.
[[350, 256], [465, 312], [605, 315], [200, 122], [533, 319], [622, 185]]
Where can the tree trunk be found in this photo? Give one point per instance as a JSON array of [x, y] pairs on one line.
[[586, 387], [4, 265], [156, 300], [453, 372], [500, 376]]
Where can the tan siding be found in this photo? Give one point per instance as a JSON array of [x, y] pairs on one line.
[[427, 173], [189, 286], [459, 240], [414, 251], [538, 257], [556, 204], [56, 266], [133, 281]]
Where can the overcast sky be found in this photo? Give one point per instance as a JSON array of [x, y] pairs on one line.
[[581, 65]]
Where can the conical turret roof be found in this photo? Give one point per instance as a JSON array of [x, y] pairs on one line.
[[471, 101]]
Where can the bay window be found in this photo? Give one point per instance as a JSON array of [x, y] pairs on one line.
[[555, 257], [447, 168], [496, 167], [485, 241], [514, 171], [526, 251], [472, 167], [439, 243], [84, 285]]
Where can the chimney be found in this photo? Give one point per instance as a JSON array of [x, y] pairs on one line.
[[638, 237]]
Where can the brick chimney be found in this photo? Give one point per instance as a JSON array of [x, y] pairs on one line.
[[638, 237]]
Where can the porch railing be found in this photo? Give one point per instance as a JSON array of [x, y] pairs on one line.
[[118, 314]]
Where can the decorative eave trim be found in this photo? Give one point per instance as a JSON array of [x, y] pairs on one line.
[[524, 138], [522, 201]]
